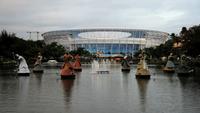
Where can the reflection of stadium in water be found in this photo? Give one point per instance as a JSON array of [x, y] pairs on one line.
[[108, 41]]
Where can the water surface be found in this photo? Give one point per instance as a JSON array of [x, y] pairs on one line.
[[115, 92]]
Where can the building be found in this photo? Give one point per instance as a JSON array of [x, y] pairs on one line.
[[107, 41]]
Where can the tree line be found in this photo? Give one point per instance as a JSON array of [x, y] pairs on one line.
[[11, 45], [187, 42]]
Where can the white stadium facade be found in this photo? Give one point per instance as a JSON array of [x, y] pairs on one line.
[[107, 41]]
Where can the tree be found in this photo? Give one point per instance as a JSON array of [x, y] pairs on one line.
[[10, 45], [7, 41], [80, 51], [53, 51], [191, 40]]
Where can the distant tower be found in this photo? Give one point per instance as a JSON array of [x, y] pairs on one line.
[[37, 34], [30, 33]]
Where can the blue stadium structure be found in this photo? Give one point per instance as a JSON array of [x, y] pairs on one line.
[[107, 41]]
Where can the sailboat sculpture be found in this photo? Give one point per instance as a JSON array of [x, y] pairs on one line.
[[67, 71], [23, 69], [77, 64], [125, 65], [38, 64], [142, 69], [169, 67]]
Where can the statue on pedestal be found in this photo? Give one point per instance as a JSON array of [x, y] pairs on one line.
[[23, 69]]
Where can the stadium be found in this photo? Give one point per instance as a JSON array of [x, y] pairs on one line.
[[106, 41]]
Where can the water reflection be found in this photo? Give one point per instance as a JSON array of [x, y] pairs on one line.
[[38, 77], [125, 74], [23, 86], [190, 95], [183, 81], [23, 92], [171, 77], [142, 85], [67, 86], [8, 91]]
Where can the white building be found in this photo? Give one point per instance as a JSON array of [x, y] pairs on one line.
[[108, 41]]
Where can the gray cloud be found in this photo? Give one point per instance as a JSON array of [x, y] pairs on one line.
[[20, 16]]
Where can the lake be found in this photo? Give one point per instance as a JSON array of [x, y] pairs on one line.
[[116, 92]]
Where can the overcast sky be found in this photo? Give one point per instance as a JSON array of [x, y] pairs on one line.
[[20, 16]]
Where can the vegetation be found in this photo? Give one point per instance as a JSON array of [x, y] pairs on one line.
[[191, 40], [81, 52], [53, 51], [11, 45], [187, 42]]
